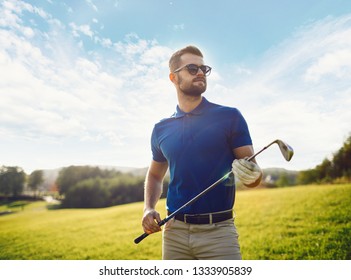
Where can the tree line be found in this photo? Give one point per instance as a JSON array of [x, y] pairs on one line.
[[93, 187], [79, 186], [334, 170], [13, 179]]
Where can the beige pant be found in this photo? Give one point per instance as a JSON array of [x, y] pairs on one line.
[[217, 241]]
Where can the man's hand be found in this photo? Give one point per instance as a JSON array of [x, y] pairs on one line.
[[247, 172], [150, 221]]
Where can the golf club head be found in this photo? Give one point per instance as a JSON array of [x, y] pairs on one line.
[[287, 151]]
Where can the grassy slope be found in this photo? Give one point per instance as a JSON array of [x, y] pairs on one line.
[[37, 233], [311, 222]]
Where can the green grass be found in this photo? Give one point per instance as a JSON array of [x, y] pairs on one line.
[[309, 222], [312, 222]]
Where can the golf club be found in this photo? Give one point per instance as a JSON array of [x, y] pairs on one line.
[[286, 150]]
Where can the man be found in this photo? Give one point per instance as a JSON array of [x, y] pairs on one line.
[[199, 143]]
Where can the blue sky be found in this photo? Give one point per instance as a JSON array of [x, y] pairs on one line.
[[83, 82]]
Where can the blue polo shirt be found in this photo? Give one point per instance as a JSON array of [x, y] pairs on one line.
[[198, 148]]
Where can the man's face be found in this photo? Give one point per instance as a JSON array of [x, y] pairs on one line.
[[191, 85]]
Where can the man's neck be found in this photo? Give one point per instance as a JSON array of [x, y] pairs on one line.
[[188, 103]]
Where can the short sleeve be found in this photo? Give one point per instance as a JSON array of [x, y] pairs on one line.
[[157, 154]]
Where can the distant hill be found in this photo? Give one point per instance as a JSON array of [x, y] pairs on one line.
[[271, 175], [50, 175], [276, 172], [136, 171]]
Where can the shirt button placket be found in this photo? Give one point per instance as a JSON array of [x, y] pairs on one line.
[[187, 128]]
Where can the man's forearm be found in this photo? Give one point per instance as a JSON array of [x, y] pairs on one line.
[[152, 191]]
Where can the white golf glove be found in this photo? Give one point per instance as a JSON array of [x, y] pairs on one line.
[[246, 171]]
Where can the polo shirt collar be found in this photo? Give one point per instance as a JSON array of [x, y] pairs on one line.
[[197, 111]]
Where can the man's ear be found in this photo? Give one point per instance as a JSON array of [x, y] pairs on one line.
[[171, 76]]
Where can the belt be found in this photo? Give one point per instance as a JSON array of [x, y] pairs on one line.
[[209, 218]]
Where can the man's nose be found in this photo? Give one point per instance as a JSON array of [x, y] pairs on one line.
[[200, 72]]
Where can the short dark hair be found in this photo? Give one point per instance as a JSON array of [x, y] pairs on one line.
[[174, 61]]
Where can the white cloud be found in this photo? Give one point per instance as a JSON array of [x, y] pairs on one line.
[[99, 108], [300, 91], [105, 42], [55, 96], [84, 29], [178, 27], [336, 63], [155, 55], [92, 5], [133, 45]]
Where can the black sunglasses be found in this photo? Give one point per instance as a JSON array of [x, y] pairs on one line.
[[193, 69]]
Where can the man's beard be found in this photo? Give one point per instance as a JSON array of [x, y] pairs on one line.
[[193, 90]]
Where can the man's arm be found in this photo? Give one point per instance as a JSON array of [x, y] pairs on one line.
[[254, 170], [152, 193]]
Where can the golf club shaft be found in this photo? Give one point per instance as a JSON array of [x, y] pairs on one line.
[[165, 220], [260, 151]]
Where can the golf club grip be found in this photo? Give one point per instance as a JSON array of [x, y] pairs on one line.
[[140, 238]]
